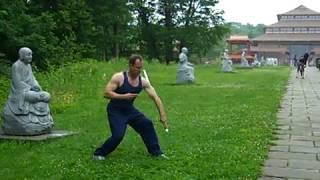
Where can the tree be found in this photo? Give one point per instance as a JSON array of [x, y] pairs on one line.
[[246, 29], [147, 29], [167, 8], [202, 25], [111, 20]]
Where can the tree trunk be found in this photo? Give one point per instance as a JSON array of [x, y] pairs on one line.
[[116, 49], [169, 26]]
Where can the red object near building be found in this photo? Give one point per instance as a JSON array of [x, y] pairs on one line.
[[237, 44]]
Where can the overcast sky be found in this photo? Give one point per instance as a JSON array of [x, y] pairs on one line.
[[261, 11]]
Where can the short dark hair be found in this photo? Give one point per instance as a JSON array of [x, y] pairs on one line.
[[133, 58]]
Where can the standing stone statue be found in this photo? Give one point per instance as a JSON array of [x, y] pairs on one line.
[[27, 110], [244, 61], [185, 73], [256, 62], [226, 62], [262, 61]]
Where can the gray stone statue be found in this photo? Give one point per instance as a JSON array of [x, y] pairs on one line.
[[185, 73], [262, 61], [226, 62], [256, 62], [244, 61], [27, 110]]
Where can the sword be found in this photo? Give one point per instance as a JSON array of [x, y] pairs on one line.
[[146, 75]]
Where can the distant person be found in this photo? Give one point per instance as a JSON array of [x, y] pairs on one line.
[[122, 90], [302, 65], [306, 58], [295, 61]]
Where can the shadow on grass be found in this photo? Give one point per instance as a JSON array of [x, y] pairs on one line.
[[187, 84]]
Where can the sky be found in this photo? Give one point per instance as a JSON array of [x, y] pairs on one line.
[[261, 11]]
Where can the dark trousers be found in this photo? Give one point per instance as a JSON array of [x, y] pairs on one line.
[[300, 69], [118, 120]]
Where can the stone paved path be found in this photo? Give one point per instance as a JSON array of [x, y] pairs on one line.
[[296, 152]]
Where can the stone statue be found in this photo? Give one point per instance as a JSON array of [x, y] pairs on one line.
[[256, 62], [185, 72], [226, 62], [244, 61], [27, 110], [262, 61]]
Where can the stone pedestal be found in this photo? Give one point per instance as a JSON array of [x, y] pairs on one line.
[[227, 66], [26, 124], [185, 76], [42, 137]]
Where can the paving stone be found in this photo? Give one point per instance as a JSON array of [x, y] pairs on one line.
[[295, 132], [270, 178], [302, 143], [301, 124], [284, 127], [304, 164], [284, 121], [291, 155], [304, 149], [281, 142], [279, 148], [282, 136], [316, 133], [305, 138], [300, 128], [276, 162], [291, 173], [300, 119], [315, 125]]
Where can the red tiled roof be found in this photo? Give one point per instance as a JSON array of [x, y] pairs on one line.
[[238, 38]]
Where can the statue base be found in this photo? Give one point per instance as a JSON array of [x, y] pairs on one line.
[[185, 76], [53, 134]]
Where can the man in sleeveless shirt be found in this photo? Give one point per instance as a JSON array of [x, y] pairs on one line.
[[122, 90]]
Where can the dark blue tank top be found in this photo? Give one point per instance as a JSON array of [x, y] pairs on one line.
[[126, 87]]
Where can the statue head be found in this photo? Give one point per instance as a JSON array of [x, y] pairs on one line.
[[25, 55], [184, 50]]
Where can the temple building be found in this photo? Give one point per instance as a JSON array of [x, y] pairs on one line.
[[295, 33]]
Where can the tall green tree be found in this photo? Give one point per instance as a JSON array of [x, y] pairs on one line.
[[148, 38], [111, 20], [168, 9], [201, 24], [250, 30], [18, 28]]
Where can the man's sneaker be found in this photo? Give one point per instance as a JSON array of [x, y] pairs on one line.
[[98, 158], [163, 156]]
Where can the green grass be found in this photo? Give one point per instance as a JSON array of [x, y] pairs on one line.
[[219, 127]]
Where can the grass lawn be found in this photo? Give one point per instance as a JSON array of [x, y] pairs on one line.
[[219, 127]]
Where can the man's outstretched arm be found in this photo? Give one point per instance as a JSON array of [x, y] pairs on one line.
[[154, 96]]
